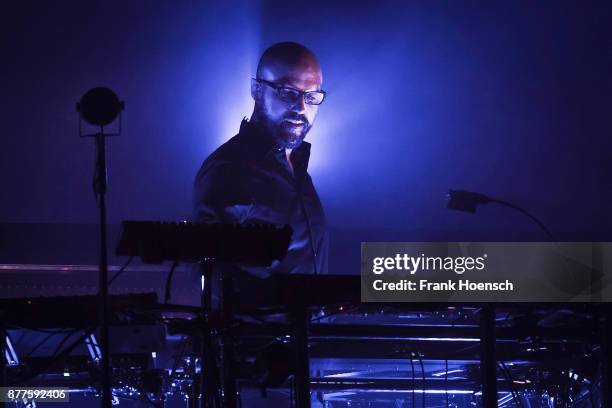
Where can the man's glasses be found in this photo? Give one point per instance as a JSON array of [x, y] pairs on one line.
[[292, 95]]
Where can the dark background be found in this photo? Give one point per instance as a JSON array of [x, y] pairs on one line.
[[511, 99]]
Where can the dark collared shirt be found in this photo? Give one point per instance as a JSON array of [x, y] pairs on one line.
[[248, 180]]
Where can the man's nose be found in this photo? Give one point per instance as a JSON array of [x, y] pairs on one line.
[[299, 106]]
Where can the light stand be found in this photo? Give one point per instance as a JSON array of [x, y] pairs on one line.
[[100, 107]]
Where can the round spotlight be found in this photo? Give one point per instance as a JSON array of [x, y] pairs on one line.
[[99, 106]]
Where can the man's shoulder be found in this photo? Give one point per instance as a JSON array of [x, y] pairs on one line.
[[229, 154], [231, 151]]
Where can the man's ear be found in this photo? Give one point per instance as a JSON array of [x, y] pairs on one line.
[[255, 89]]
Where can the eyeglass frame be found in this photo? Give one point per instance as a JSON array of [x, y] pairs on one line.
[[277, 87]]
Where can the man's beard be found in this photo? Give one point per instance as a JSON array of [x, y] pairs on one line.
[[285, 135]]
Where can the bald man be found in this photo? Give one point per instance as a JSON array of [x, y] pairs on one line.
[[260, 175]]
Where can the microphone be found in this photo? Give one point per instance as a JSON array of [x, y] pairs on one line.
[[468, 201]]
